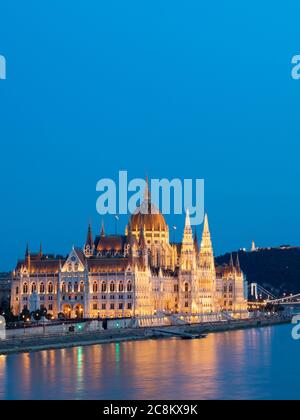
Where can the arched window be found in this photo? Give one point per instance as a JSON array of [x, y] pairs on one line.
[[76, 266], [121, 287], [81, 287], [112, 287], [69, 287], [63, 288], [17, 290], [230, 288], [70, 267], [75, 287], [95, 287], [129, 287], [50, 287], [186, 287], [42, 288], [103, 287], [33, 288], [25, 288]]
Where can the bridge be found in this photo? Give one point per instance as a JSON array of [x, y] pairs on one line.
[[266, 297]]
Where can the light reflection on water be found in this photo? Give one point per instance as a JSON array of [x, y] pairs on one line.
[[256, 363]]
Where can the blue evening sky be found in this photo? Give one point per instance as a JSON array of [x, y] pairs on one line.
[[166, 88]]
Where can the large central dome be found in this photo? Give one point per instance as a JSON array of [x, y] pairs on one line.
[[154, 220], [148, 216]]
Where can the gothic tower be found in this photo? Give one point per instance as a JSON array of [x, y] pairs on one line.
[[188, 280], [188, 256], [207, 270], [89, 244]]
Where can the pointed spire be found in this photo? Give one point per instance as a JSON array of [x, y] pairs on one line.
[[206, 256], [142, 241], [206, 239], [147, 196], [146, 205], [196, 244], [237, 263], [231, 265], [206, 225], [89, 238], [27, 256], [102, 229], [27, 253], [41, 250], [187, 219]]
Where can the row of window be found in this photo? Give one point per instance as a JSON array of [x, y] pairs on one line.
[[42, 288], [112, 297], [70, 297], [68, 288], [112, 306]]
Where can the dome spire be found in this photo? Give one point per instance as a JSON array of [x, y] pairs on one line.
[[147, 197], [147, 190]]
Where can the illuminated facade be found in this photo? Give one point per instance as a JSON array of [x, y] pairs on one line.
[[136, 275]]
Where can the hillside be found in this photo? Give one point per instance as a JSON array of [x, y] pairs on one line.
[[276, 269]]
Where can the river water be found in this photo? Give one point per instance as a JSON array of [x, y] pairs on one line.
[[247, 364]]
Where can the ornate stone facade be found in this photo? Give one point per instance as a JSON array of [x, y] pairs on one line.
[[136, 275]]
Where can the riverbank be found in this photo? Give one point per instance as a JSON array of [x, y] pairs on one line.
[[67, 340]]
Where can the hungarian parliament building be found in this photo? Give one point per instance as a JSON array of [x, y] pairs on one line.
[[140, 274]]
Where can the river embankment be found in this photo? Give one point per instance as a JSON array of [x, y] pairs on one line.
[[75, 339]]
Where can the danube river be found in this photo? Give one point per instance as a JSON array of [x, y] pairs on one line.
[[248, 364]]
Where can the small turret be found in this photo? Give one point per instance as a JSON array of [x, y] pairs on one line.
[[89, 238], [28, 257], [89, 244]]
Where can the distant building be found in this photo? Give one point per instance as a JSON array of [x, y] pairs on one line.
[[230, 286], [139, 274], [253, 247]]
